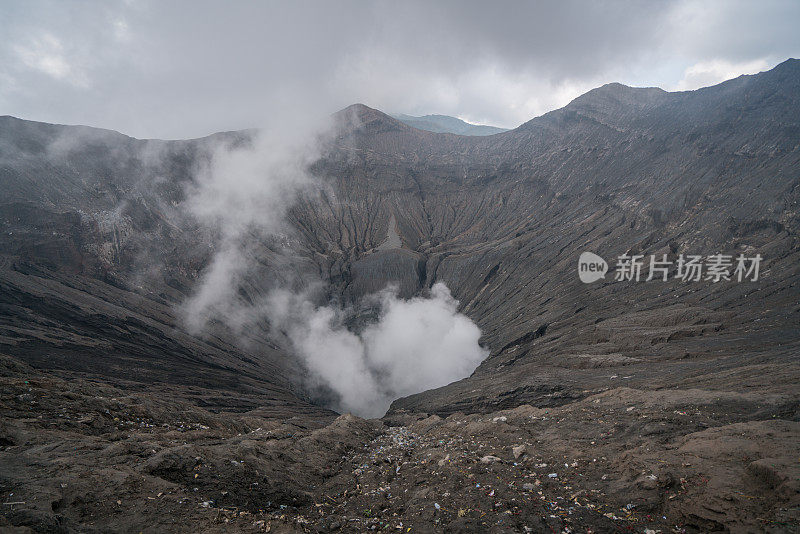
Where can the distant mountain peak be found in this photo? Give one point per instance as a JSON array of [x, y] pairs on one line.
[[447, 124], [791, 64], [361, 117], [617, 92]]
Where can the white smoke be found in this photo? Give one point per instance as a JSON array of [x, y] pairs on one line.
[[416, 344], [215, 296], [245, 190], [413, 345], [422, 343]]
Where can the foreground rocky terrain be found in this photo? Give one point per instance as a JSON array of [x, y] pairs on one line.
[[79, 455], [655, 405]]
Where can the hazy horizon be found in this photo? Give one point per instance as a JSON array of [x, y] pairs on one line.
[[177, 70]]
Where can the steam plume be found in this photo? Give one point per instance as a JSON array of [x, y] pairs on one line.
[[413, 345]]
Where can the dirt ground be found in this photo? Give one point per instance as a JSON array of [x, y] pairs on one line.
[[79, 456]]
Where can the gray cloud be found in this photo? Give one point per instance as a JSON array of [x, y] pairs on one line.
[[183, 69]]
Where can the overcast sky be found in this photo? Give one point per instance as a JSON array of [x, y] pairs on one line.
[[175, 69]]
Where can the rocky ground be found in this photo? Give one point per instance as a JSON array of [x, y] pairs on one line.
[[80, 456]]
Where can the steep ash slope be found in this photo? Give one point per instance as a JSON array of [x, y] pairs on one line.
[[500, 219], [97, 256]]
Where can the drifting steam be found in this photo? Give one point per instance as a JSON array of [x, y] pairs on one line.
[[415, 345], [411, 345], [244, 191]]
